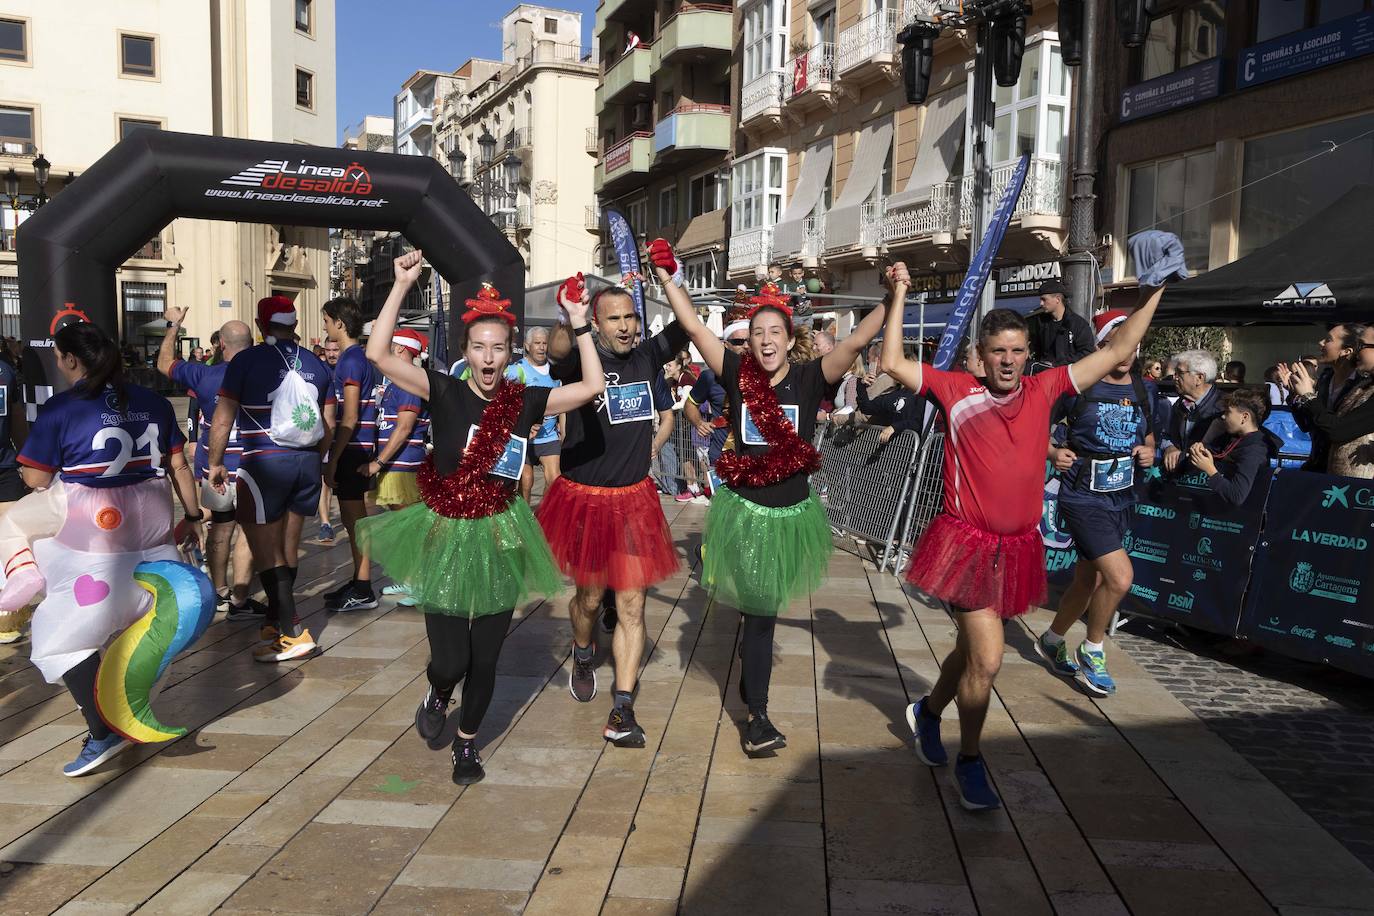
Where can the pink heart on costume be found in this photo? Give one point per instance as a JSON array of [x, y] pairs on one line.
[[90, 591]]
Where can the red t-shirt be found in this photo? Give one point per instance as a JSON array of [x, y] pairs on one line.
[[995, 446]]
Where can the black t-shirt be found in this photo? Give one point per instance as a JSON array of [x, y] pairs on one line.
[[802, 389], [454, 409], [609, 440]]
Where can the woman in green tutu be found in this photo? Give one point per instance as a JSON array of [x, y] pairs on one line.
[[767, 541], [471, 550]]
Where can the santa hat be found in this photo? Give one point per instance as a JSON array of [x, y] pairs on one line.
[[414, 341], [276, 310], [733, 328], [1105, 322]]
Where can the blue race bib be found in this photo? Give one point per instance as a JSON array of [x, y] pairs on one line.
[[629, 403], [512, 460], [1112, 474], [750, 433]]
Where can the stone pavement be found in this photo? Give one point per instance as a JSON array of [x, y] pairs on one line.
[[303, 789]]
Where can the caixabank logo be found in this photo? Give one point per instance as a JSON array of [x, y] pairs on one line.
[[1303, 296], [280, 180]]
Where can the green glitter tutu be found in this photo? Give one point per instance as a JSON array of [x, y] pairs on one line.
[[760, 559], [466, 567]]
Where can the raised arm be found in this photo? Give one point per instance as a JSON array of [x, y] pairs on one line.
[[166, 354], [893, 360], [401, 371], [707, 343], [1121, 348], [837, 362], [572, 396]]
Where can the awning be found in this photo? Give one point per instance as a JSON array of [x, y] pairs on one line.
[[842, 223], [815, 169], [937, 149], [702, 232], [1318, 272]]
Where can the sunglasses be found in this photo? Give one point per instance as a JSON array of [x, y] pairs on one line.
[[737, 341]]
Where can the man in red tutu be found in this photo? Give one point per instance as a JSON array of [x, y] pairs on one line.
[[602, 516], [983, 555]]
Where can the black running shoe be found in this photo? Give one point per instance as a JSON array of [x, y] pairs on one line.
[[251, 609], [583, 682], [357, 600], [333, 599], [467, 763], [621, 728], [431, 716], [761, 736]]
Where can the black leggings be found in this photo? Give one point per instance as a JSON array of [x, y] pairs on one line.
[[756, 657], [466, 649], [80, 680]]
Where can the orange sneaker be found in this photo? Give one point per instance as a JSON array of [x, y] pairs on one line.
[[286, 648]]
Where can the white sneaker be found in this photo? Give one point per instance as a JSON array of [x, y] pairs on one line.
[[395, 589], [700, 501]]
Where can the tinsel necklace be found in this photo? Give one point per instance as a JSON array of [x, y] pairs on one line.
[[787, 453], [471, 491]]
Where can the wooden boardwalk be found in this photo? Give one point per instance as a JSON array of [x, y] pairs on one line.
[[303, 788]]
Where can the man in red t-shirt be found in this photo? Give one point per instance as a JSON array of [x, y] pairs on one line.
[[982, 555]]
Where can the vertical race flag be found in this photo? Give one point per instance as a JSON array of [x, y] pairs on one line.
[[627, 252], [971, 290], [438, 332]]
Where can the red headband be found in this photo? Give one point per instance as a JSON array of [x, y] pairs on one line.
[[770, 296], [488, 304]]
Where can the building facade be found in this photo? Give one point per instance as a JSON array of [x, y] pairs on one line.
[[71, 87], [350, 250]]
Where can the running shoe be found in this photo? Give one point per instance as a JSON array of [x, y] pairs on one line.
[[683, 498], [408, 601], [268, 634], [621, 728], [326, 531], [583, 681], [971, 778], [431, 716], [250, 610], [926, 728], [94, 753], [760, 736], [467, 763], [700, 500], [1092, 673], [286, 648], [222, 600], [391, 591], [1056, 656], [358, 600], [332, 599], [10, 636]]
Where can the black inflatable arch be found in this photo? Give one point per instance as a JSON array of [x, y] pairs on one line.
[[69, 250]]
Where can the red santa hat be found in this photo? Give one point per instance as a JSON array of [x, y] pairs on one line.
[[1105, 322], [417, 342], [276, 310]]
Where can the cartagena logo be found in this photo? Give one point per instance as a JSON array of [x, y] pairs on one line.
[[1204, 547], [1302, 578], [1303, 296]]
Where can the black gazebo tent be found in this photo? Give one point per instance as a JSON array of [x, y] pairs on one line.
[[1322, 271]]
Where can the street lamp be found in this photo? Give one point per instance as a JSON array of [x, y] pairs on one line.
[[458, 165], [41, 167], [487, 144]]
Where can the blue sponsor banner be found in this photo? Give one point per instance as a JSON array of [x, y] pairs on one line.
[[977, 277], [1342, 40], [1188, 86], [627, 253], [1311, 594]]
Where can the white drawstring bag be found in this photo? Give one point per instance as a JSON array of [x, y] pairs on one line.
[[296, 420]]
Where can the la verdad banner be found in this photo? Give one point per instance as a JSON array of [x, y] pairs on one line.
[[627, 254]]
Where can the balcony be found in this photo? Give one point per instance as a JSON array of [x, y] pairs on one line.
[[17, 146], [750, 249], [867, 52], [518, 140], [761, 101], [623, 163], [695, 34], [592, 220], [628, 77], [812, 77], [691, 130], [813, 237], [871, 217], [517, 220], [420, 120], [593, 142], [621, 11]]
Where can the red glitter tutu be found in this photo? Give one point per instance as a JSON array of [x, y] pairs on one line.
[[612, 537], [970, 568]]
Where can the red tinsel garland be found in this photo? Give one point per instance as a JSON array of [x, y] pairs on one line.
[[787, 453], [470, 491]]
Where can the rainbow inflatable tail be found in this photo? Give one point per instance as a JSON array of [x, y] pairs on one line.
[[183, 606]]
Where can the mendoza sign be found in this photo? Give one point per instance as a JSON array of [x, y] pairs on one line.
[[1312, 596], [1174, 90], [1342, 40]]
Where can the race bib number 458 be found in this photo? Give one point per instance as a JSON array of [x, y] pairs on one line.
[[629, 403]]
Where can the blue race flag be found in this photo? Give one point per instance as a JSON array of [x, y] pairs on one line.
[[627, 252], [977, 277], [438, 334]]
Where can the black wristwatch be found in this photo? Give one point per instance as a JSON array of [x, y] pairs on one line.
[[195, 518]]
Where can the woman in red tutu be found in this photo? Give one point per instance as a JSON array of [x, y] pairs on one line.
[[767, 538], [982, 555]]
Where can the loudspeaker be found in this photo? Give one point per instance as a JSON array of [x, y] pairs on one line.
[[1134, 22], [1071, 31], [1008, 45], [918, 52]]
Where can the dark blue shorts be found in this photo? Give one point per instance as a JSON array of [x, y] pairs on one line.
[[272, 484], [1097, 530]]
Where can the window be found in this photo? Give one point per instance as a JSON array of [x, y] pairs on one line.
[[304, 16], [129, 125], [765, 38], [1172, 195], [305, 88], [884, 188], [700, 272], [1186, 36], [9, 306], [667, 206], [1032, 116], [706, 193], [1279, 17], [757, 185], [143, 302], [14, 40], [137, 55], [16, 131], [637, 214], [1291, 194], [550, 26], [823, 25]]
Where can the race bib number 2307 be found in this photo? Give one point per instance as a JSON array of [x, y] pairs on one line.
[[629, 403]]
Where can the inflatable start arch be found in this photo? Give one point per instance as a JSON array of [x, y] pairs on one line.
[[69, 250]]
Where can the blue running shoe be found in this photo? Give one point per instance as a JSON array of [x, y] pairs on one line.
[[971, 777], [94, 753], [926, 728], [1092, 673], [1056, 657]]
